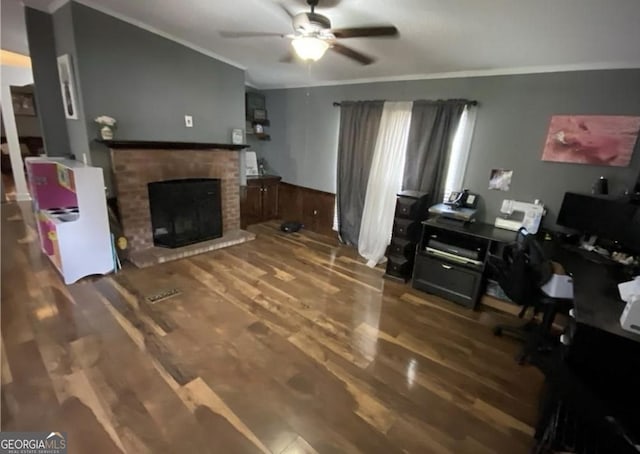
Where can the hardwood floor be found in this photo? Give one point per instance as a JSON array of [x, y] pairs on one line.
[[288, 344]]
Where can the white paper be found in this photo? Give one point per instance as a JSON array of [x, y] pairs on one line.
[[251, 163], [500, 179], [630, 290]]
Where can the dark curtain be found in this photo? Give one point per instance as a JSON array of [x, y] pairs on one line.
[[433, 126], [359, 122]]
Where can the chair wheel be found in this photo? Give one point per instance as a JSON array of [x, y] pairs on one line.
[[497, 331], [522, 359]]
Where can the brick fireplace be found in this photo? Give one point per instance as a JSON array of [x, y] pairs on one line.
[[134, 168]]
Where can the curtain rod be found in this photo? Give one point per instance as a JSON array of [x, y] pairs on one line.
[[472, 103]]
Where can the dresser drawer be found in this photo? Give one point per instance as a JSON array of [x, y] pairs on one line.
[[411, 208], [399, 266], [446, 279], [402, 247], [407, 229]]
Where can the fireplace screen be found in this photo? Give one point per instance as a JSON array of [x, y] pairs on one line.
[[185, 211]]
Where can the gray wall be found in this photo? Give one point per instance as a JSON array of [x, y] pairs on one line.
[[65, 40], [146, 82], [512, 122], [149, 83], [42, 50]]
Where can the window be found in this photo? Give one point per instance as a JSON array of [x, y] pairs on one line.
[[460, 151]]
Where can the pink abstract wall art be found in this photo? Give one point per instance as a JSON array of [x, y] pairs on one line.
[[591, 139]]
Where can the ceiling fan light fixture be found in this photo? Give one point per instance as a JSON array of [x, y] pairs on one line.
[[309, 47]]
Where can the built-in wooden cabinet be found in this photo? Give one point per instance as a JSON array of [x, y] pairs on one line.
[[259, 200], [266, 198]]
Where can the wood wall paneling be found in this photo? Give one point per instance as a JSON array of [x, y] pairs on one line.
[[311, 207], [290, 203]]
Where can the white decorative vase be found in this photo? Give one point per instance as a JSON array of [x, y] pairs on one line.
[[106, 133]]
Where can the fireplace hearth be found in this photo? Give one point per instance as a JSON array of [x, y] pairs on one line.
[[185, 211], [136, 164]]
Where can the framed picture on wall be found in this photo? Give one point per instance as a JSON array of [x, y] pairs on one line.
[[603, 140], [23, 103], [68, 87]]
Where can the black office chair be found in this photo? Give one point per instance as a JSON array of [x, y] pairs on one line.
[[521, 271]]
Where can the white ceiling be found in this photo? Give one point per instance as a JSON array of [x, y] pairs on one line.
[[436, 36], [13, 33]]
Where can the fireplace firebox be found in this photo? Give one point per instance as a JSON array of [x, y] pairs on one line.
[[185, 211]]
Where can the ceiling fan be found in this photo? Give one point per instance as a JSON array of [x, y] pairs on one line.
[[313, 36]]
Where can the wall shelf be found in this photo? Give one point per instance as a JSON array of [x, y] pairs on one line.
[[260, 136]]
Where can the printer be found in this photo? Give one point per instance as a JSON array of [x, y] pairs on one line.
[[630, 294], [460, 207]]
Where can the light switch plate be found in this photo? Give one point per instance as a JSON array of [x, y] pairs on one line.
[[188, 121]]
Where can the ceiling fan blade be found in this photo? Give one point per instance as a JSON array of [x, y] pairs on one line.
[[232, 34], [286, 10], [365, 32], [352, 54]]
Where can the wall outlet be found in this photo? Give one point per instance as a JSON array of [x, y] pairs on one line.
[[188, 121]]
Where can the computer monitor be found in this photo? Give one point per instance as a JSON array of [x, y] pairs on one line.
[[615, 220], [632, 233]]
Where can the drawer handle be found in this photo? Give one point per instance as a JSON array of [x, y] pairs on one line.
[[446, 267]]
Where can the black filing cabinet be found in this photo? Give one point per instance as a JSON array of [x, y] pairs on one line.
[[411, 209], [454, 281]]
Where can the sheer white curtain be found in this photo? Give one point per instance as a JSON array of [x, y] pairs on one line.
[[385, 181], [460, 151]]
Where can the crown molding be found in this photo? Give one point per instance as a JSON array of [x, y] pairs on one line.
[[94, 4], [55, 5], [45, 7], [463, 74]]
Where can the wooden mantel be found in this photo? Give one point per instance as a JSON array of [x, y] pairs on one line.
[[158, 145]]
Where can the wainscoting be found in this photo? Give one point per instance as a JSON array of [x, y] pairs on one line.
[[311, 207]]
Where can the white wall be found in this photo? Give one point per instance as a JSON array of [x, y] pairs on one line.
[[18, 76]]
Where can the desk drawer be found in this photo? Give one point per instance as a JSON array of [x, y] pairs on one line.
[[446, 279]]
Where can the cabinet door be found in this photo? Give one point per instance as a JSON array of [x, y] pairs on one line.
[[250, 205], [270, 202]]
